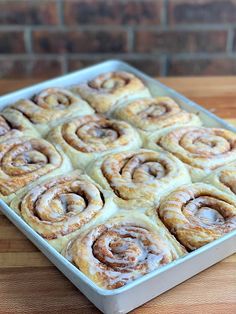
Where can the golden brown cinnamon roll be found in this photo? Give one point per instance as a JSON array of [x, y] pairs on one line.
[[12, 124], [105, 91], [121, 250], [198, 214], [201, 149], [51, 107], [224, 179], [152, 114], [139, 178], [28, 160], [62, 207], [87, 138]]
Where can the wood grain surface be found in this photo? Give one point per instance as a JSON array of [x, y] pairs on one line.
[[29, 283]]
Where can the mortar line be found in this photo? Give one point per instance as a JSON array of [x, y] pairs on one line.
[[28, 40], [230, 41], [60, 12], [164, 13], [108, 27]]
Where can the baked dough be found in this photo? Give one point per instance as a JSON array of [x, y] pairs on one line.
[[197, 214], [201, 149], [51, 107], [28, 161], [153, 114], [139, 178], [126, 219], [60, 208], [122, 249], [86, 138], [224, 179], [107, 90], [12, 124]]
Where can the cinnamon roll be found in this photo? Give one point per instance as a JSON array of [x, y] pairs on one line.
[[139, 178], [224, 179], [121, 250], [62, 207], [51, 107], [198, 214], [105, 91], [12, 124], [152, 114], [28, 160], [86, 138], [201, 149]]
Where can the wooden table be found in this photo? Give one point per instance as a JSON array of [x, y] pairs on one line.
[[29, 283]]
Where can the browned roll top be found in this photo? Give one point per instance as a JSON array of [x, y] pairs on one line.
[[5, 126], [46, 106], [95, 133], [111, 81], [117, 253], [24, 160], [61, 205], [198, 214]]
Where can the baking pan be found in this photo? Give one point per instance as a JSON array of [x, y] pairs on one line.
[[124, 299]]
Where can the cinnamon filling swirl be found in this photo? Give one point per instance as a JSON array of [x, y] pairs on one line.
[[95, 134], [5, 126], [54, 98], [150, 114], [141, 174], [61, 206], [198, 214], [119, 253], [157, 109], [203, 148], [110, 81], [49, 105], [228, 178], [24, 160]]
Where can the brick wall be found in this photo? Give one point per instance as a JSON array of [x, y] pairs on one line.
[[45, 38]]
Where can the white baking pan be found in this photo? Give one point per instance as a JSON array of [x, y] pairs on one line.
[[134, 294]]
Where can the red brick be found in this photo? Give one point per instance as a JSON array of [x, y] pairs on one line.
[[36, 68], [149, 66], [11, 42], [202, 67], [27, 12], [41, 68], [112, 12], [78, 41], [77, 64], [202, 11], [181, 41], [13, 68]]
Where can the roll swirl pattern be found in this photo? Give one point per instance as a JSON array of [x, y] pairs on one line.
[[12, 124], [153, 114], [51, 107], [107, 90], [86, 138], [224, 179], [26, 160], [139, 178], [60, 207], [121, 250], [198, 214], [201, 149]]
